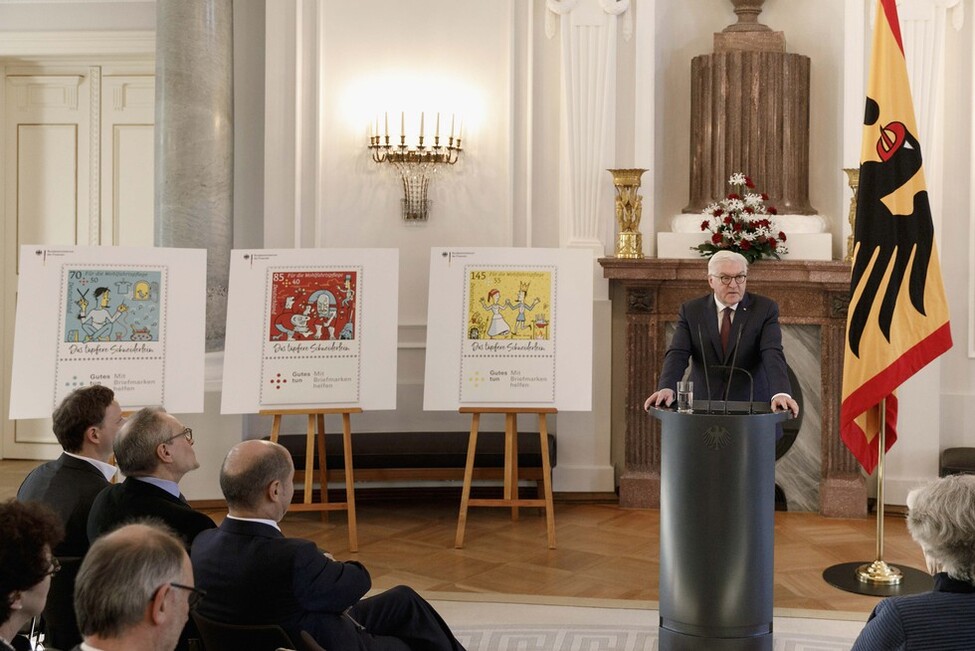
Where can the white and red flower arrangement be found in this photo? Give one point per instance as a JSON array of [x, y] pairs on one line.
[[740, 222]]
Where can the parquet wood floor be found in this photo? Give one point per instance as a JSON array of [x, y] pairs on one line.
[[604, 551]]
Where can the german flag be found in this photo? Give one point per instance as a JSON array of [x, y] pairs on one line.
[[898, 316]]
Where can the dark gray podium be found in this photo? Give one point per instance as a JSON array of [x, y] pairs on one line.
[[717, 508]]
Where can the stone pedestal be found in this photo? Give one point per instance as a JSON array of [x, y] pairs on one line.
[[808, 293]]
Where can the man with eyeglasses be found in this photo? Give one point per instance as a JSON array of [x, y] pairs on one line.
[[728, 325], [154, 451], [135, 591], [85, 424]]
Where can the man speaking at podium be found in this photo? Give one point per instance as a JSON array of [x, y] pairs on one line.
[[730, 326]]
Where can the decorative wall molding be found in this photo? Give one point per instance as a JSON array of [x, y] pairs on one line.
[[87, 44], [588, 117], [95, 158]]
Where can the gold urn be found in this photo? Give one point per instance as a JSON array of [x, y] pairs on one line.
[[629, 206]]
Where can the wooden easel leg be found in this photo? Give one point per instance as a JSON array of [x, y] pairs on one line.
[[547, 481], [322, 466], [465, 495], [309, 458], [349, 481], [511, 460], [275, 428]]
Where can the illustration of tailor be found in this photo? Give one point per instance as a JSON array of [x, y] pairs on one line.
[[348, 291], [99, 323], [324, 317], [521, 306], [498, 326]]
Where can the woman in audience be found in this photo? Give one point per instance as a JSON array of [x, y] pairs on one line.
[[941, 519], [28, 533]]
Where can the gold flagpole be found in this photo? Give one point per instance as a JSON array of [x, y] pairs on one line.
[[878, 571]]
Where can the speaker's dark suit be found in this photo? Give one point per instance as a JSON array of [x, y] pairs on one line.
[[756, 332], [133, 500], [254, 575], [69, 486], [940, 620]]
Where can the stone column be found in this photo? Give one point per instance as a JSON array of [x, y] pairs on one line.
[[194, 141], [750, 113]]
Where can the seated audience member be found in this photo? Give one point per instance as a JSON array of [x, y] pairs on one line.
[[254, 575], [941, 519], [85, 424], [28, 533], [154, 451], [134, 591]]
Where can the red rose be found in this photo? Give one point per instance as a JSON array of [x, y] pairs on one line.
[[772, 242], [772, 211], [764, 197], [737, 227], [745, 245], [748, 182], [749, 210], [782, 236], [728, 219], [718, 212], [733, 196], [705, 224], [716, 238]]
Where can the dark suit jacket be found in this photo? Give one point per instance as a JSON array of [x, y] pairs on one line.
[[755, 332], [68, 486], [253, 574], [134, 499], [940, 620]]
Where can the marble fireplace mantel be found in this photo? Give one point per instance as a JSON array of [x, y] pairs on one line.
[[808, 293]]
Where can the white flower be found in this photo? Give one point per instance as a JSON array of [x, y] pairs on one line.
[[734, 205], [738, 178], [753, 200]]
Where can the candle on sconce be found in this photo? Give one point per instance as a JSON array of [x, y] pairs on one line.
[[402, 123], [452, 116], [437, 131], [421, 124], [387, 124]]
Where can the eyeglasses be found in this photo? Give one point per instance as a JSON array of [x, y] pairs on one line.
[[195, 597], [55, 567], [187, 432], [726, 280]]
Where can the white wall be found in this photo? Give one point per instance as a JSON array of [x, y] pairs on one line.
[[506, 190]]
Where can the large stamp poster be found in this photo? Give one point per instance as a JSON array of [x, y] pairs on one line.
[[311, 328], [509, 327], [509, 347], [122, 318]]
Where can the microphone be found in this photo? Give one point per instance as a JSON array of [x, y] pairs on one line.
[[731, 375], [707, 374]]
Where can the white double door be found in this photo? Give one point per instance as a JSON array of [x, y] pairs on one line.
[[77, 168]]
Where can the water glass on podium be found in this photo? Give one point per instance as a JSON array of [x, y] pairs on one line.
[[685, 396]]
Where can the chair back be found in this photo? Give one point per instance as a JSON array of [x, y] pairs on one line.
[[60, 624], [218, 636]]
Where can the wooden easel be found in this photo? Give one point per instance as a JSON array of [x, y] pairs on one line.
[[510, 499], [316, 421]]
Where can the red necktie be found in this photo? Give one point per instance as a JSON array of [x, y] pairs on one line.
[[725, 329]]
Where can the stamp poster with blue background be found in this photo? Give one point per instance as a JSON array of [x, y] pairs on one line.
[[113, 314], [128, 318]]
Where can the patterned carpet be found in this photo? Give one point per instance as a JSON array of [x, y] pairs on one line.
[[520, 623]]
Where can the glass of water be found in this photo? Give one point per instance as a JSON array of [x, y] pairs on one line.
[[685, 396]]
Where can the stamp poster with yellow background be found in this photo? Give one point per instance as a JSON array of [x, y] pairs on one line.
[[509, 343]]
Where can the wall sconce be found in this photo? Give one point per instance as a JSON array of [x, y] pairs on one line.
[[416, 163]]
